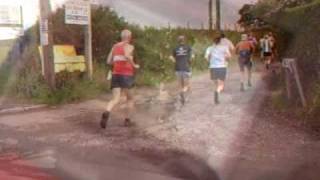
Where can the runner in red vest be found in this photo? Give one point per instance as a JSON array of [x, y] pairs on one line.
[[121, 58]]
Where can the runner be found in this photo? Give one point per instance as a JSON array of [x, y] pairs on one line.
[[252, 39], [121, 57], [225, 41], [266, 46], [245, 49], [182, 56], [254, 42], [273, 46], [218, 55]]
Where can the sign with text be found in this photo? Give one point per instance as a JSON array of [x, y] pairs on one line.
[[44, 35], [77, 12], [10, 15]]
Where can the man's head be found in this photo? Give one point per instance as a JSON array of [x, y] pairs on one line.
[[181, 39], [126, 35], [244, 37]]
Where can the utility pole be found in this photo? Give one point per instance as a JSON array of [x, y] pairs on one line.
[[210, 16], [46, 39], [88, 44], [218, 16]]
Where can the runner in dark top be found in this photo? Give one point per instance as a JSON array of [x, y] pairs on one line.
[[182, 56]]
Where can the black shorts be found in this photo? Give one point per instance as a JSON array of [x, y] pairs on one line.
[[245, 63], [267, 54], [218, 73], [122, 81]]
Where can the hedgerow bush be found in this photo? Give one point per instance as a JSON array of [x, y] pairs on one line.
[[153, 48]]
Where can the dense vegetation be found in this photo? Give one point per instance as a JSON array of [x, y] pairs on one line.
[[22, 77], [297, 22]]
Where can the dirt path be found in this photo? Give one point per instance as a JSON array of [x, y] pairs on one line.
[[199, 141]]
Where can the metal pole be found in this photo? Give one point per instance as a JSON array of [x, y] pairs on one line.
[[46, 39]]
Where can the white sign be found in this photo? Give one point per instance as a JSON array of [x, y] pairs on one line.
[[10, 15], [44, 36], [77, 12]]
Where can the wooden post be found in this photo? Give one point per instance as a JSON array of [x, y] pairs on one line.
[[210, 16], [46, 39], [88, 45], [288, 83], [218, 16], [290, 66], [297, 78]]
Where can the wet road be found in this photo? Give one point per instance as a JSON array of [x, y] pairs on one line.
[[199, 141]]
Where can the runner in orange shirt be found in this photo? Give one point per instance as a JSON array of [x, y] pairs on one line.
[[245, 50]]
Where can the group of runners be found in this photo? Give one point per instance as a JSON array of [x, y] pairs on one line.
[[218, 55]]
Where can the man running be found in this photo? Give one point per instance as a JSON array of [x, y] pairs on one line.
[[245, 50], [266, 47], [218, 56], [182, 56], [121, 58], [252, 39], [273, 46]]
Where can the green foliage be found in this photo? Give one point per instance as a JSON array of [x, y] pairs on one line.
[[23, 77]]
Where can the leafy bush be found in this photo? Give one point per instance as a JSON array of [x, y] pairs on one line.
[[153, 48]]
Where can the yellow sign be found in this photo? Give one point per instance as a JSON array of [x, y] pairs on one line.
[[66, 59]]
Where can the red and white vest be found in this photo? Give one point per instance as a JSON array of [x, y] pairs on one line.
[[121, 66]]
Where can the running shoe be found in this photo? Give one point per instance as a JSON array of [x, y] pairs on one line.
[[182, 98], [242, 87], [216, 98], [104, 119], [128, 123]]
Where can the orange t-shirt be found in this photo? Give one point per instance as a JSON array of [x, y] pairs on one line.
[[245, 45]]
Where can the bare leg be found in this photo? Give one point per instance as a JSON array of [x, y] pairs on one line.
[[116, 95], [249, 76], [219, 86], [129, 103]]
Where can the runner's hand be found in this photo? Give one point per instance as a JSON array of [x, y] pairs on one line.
[[137, 66]]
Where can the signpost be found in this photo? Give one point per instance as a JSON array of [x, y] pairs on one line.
[[46, 41], [78, 12], [290, 66], [10, 16]]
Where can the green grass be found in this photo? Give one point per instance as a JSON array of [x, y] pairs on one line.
[[5, 47]]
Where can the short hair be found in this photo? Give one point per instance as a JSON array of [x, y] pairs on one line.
[[244, 37], [222, 34], [181, 39], [126, 34]]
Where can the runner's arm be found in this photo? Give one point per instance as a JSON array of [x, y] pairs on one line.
[[172, 57], [228, 54], [207, 55], [237, 49], [129, 55], [110, 58]]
